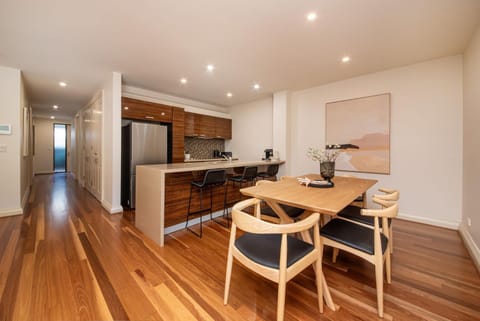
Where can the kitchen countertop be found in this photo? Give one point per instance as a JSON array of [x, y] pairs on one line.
[[205, 165], [221, 159]]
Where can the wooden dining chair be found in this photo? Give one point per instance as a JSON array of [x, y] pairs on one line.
[[268, 250], [364, 241], [268, 214], [353, 213]]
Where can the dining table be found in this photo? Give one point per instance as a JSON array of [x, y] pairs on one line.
[[323, 199]]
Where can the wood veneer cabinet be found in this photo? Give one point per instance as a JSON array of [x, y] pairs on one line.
[[197, 125], [144, 110]]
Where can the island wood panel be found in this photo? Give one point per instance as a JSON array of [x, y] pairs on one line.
[[177, 192], [178, 139]]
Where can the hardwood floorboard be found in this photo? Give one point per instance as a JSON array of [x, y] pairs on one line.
[[66, 258]]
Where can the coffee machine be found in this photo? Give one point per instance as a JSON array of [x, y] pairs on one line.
[[268, 154]]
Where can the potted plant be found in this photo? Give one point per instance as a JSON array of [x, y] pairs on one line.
[[326, 158]]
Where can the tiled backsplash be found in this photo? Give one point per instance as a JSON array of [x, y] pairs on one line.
[[203, 148]]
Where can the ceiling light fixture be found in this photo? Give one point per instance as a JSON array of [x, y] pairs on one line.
[[345, 59], [62, 84], [229, 95], [55, 107], [52, 117], [256, 86], [311, 16], [183, 80], [210, 67]]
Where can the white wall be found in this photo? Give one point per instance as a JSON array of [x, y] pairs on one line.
[[426, 134], [43, 158], [251, 129], [11, 112], [111, 143], [471, 139]]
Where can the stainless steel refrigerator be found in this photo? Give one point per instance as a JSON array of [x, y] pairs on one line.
[[142, 144]]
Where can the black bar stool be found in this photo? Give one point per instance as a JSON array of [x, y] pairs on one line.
[[272, 171], [212, 178], [248, 178]]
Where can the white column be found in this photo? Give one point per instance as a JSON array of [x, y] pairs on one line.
[[280, 135]]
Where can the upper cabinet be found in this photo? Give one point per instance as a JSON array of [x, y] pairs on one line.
[[197, 125], [144, 110]]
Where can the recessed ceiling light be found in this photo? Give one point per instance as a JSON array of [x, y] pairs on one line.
[[52, 117], [62, 84], [183, 80], [345, 59], [256, 86], [229, 95], [55, 107], [210, 67], [311, 16], [125, 108]]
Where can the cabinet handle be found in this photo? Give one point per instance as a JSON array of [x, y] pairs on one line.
[[149, 117]]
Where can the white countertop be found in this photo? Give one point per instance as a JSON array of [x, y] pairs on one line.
[[201, 166]]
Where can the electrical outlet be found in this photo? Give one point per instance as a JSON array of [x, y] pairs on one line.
[[469, 221]]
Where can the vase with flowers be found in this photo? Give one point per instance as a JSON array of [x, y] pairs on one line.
[[326, 158]]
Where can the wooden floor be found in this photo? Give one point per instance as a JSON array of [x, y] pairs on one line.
[[67, 259]]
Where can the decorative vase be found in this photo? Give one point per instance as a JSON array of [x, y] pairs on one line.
[[327, 170]]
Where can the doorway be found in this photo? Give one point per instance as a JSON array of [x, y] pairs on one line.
[[59, 148]]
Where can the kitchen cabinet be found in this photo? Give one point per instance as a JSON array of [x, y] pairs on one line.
[[144, 110], [197, 125]]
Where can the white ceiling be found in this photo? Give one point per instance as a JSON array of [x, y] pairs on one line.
[[154, 43]]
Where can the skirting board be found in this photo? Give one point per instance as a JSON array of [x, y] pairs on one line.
[[181, 226], [11, 212], [429, 221], [110, 209], [470, 245], [44, 172]]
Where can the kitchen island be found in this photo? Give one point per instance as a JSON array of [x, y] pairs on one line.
[[162, 193]]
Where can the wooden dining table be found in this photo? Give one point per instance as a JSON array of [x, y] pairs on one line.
[[326, 201]]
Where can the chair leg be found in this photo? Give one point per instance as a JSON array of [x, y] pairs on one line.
[[390, 241], [188, 212], [318, 279], [335, 254], [282, 286], [388, 266], [228, 276], [379, 283]]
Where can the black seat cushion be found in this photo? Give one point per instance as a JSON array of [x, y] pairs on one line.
[[353, 235], [354, 213], [291, 211], [264, 249]]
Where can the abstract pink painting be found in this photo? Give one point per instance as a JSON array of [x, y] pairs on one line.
[[363, 122]]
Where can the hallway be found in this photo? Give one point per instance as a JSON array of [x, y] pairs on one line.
[[68, 259]]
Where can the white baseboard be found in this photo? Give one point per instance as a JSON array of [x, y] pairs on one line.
[[25, 197], [181, 226], [470, 245], [11, 212], [440, 223], [110, 209], [44, 172]]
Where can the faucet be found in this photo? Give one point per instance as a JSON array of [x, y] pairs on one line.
[[228, 158]]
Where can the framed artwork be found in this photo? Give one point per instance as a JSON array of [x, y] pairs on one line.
[[363, 125]]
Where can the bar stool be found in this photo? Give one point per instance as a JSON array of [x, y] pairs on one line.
[[212, 178], [272, 171], [248, 178]]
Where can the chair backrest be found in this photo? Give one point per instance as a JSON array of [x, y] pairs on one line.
[[389, 210], [252, 224], [391, 195], [250, 172], [272, 170], [215, 177]]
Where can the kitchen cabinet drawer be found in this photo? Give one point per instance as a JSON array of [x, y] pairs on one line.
[[144, 110], [197, 125], [223, 128]]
